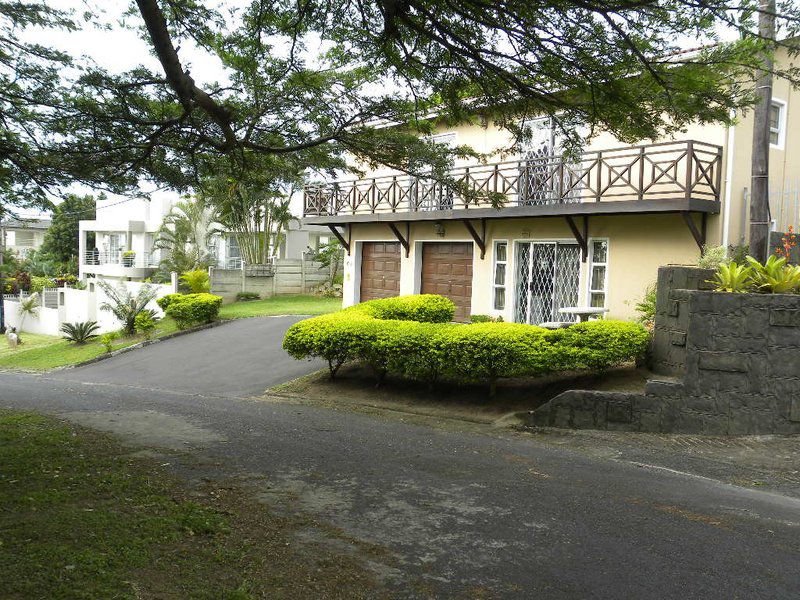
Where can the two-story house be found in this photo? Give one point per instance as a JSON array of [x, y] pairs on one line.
[[589, 231], [123, 234], [24, 236]]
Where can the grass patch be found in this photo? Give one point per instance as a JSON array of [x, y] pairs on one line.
[[281, 305], [82, 518], [43, 352]]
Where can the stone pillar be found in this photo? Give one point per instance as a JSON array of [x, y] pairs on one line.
[[668, 351]]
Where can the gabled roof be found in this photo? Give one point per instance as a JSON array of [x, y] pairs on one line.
[[26, 224]]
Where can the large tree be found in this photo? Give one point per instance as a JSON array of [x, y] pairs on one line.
[[307, 83], [61, 238]]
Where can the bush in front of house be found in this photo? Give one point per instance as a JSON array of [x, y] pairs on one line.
[[165, 301], [419, 341], [246, 296], [192, 309]]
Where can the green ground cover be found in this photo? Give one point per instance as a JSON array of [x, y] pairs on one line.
[[281, 305]]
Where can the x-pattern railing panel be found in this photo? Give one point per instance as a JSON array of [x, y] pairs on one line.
[[670, 170]]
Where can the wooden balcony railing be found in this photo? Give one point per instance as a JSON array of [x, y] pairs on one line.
[[689, 170]]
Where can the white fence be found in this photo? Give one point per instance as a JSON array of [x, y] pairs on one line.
[[70, 305]]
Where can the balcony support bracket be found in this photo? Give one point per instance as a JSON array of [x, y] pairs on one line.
[[479, 239], [404, 241], [344, 242], [699, 235], [581, 236]]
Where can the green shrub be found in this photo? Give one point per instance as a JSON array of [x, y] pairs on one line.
[[429, 347], [485, 319], [193, 309], [40, 283], [107, 339], [145, 323], [197, 281], [165, 301], [81, 332], [244, 296]]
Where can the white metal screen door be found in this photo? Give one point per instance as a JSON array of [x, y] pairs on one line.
[[548, 276]]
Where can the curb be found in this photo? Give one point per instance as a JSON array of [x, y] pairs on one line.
[[142, 344]]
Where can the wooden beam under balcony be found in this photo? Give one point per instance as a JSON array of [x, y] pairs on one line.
[[623, 207], [344, 242]]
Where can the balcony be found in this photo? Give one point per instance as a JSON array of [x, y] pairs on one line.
[[146, 260], [680, 177]]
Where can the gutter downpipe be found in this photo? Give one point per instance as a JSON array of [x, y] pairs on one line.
[[726, 205]]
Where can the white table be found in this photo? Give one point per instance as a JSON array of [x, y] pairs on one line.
[[583, 312]]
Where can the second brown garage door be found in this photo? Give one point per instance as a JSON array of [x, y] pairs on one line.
[[447, 270], [380, 270]]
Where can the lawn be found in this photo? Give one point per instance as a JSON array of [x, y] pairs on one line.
[[83, 518], [43, 352], [281, 305]]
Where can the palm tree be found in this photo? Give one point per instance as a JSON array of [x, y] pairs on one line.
[[186, 232], [124, 305], [27, 306], [281, 218]]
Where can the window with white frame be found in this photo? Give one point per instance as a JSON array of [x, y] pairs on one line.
[[500, 274], [24, 239], [777, 123], [598, 273]]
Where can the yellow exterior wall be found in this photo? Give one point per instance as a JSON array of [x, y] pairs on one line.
[[637, 246]]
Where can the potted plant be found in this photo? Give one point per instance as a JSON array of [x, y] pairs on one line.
[[128, 258]]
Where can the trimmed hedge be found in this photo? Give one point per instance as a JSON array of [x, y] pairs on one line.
[[418, 340], [191, 309]]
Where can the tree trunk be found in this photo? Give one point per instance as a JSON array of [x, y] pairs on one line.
[[759, 187]]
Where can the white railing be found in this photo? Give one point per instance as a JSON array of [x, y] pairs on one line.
[[119, 257]]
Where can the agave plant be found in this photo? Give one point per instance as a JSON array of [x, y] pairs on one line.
[[80, 332], [732, 277], [774, 276], [124, 305]]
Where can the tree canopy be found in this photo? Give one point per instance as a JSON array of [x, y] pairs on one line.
[[308, 83], [61, 238]]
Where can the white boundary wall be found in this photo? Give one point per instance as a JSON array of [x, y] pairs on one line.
[[76, 306]]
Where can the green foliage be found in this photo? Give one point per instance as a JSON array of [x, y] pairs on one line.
[[774, 276], [80, 332], [165, 301], [411, 336], [124, 305], [732, 277], [485, 319], [145, 322], [61, 238], [330, 256], [426, 308], [186, 232], [108, 339], [38, 283], [712, 257], [244, 296], [197, 281], [193, 309], [646, 307]]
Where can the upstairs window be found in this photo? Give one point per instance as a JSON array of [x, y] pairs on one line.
[[777, 123]]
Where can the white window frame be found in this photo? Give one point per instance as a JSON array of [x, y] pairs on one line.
[[781, 131], [591, 264], [495, 285]]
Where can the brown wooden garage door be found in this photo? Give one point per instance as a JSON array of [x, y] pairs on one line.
[[447, 270], [380, 270]]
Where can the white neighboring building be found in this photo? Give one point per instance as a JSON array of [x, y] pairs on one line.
[[124, 232], [24, 236]]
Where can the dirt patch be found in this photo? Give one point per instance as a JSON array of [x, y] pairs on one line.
[[355, 384], [148, 428]]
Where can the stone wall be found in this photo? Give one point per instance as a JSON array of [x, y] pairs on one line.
[[286, 276], [736, 358], [668, 349]]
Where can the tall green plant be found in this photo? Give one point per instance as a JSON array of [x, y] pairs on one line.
[[28, 307], [732, 277], [186, 232], [197, 281], [774, 276], [124, 305]]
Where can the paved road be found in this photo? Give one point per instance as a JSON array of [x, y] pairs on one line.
[[237, 359], [463, 511]]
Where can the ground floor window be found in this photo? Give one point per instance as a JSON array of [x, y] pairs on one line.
[[598, 273], [499, 282], [548, 278]]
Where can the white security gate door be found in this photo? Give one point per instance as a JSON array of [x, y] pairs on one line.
[[548, 275]]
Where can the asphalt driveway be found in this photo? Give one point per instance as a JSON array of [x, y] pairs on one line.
[[237, 359]]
